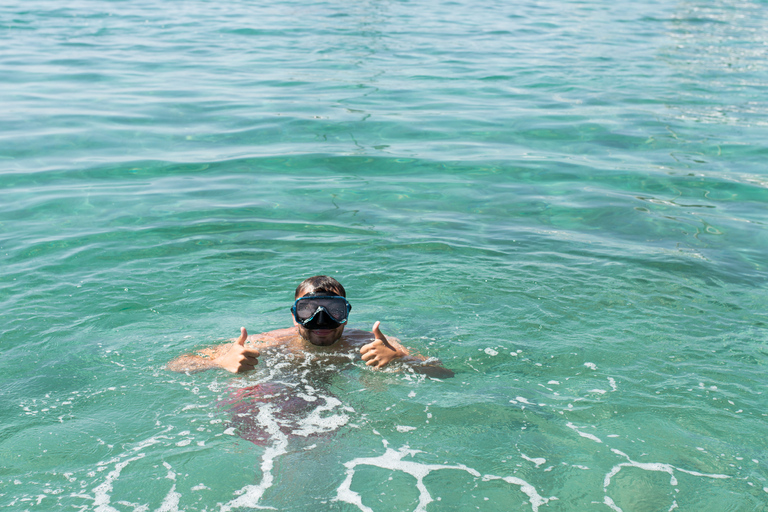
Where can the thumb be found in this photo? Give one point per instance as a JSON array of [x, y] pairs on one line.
[[377, 332], [243, 336]]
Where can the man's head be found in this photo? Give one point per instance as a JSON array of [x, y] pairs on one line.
[[327, 331]]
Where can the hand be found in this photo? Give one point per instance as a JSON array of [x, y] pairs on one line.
[[238, 359], [381, 351]]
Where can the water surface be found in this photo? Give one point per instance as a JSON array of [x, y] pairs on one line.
[[563, 201]]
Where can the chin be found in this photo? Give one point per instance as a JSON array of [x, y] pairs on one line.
[[323, 343], [321, 337]]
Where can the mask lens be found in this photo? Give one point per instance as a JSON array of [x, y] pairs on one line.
[[336, 307], [305, 309]]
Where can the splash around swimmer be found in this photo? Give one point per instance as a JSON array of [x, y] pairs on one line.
[[319, 313]]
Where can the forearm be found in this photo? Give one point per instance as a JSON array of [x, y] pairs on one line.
[[192, 363], [204, 359], [234, 357], [411, 358], [431, 367]]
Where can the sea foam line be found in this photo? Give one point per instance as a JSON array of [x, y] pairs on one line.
[[251, 494], [102, 492], [314, 423], [647, 466], [393, 460]]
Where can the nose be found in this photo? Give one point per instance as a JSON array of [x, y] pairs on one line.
[[322, 315]]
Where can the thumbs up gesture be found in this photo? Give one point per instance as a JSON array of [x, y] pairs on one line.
[[238, 358], [381, 351]]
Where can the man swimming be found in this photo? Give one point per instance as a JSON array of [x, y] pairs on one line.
[[320, 315]]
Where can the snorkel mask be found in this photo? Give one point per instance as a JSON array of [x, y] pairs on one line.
[[321, 312]]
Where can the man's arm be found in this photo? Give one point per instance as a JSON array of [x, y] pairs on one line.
[[234, 357], [381, 351]]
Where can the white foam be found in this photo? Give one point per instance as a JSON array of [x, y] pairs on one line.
[[648, 466], [316, 423], [151, 440], [696, 473], [393, 460], [591, 366], [538, 461], [404, 428], [171, 475], [608, 501], [491, 352], [250, 495], [171, 500], [583, 434], [101, 493], [533, 496]]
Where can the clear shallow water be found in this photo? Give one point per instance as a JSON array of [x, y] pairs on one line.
[[565, 202]]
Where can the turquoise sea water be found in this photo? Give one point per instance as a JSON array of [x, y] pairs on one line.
[[564, 201]]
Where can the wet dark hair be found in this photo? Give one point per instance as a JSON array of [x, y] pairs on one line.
[[320, 285]]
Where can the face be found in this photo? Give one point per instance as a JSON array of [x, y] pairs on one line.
[[319, 337]]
